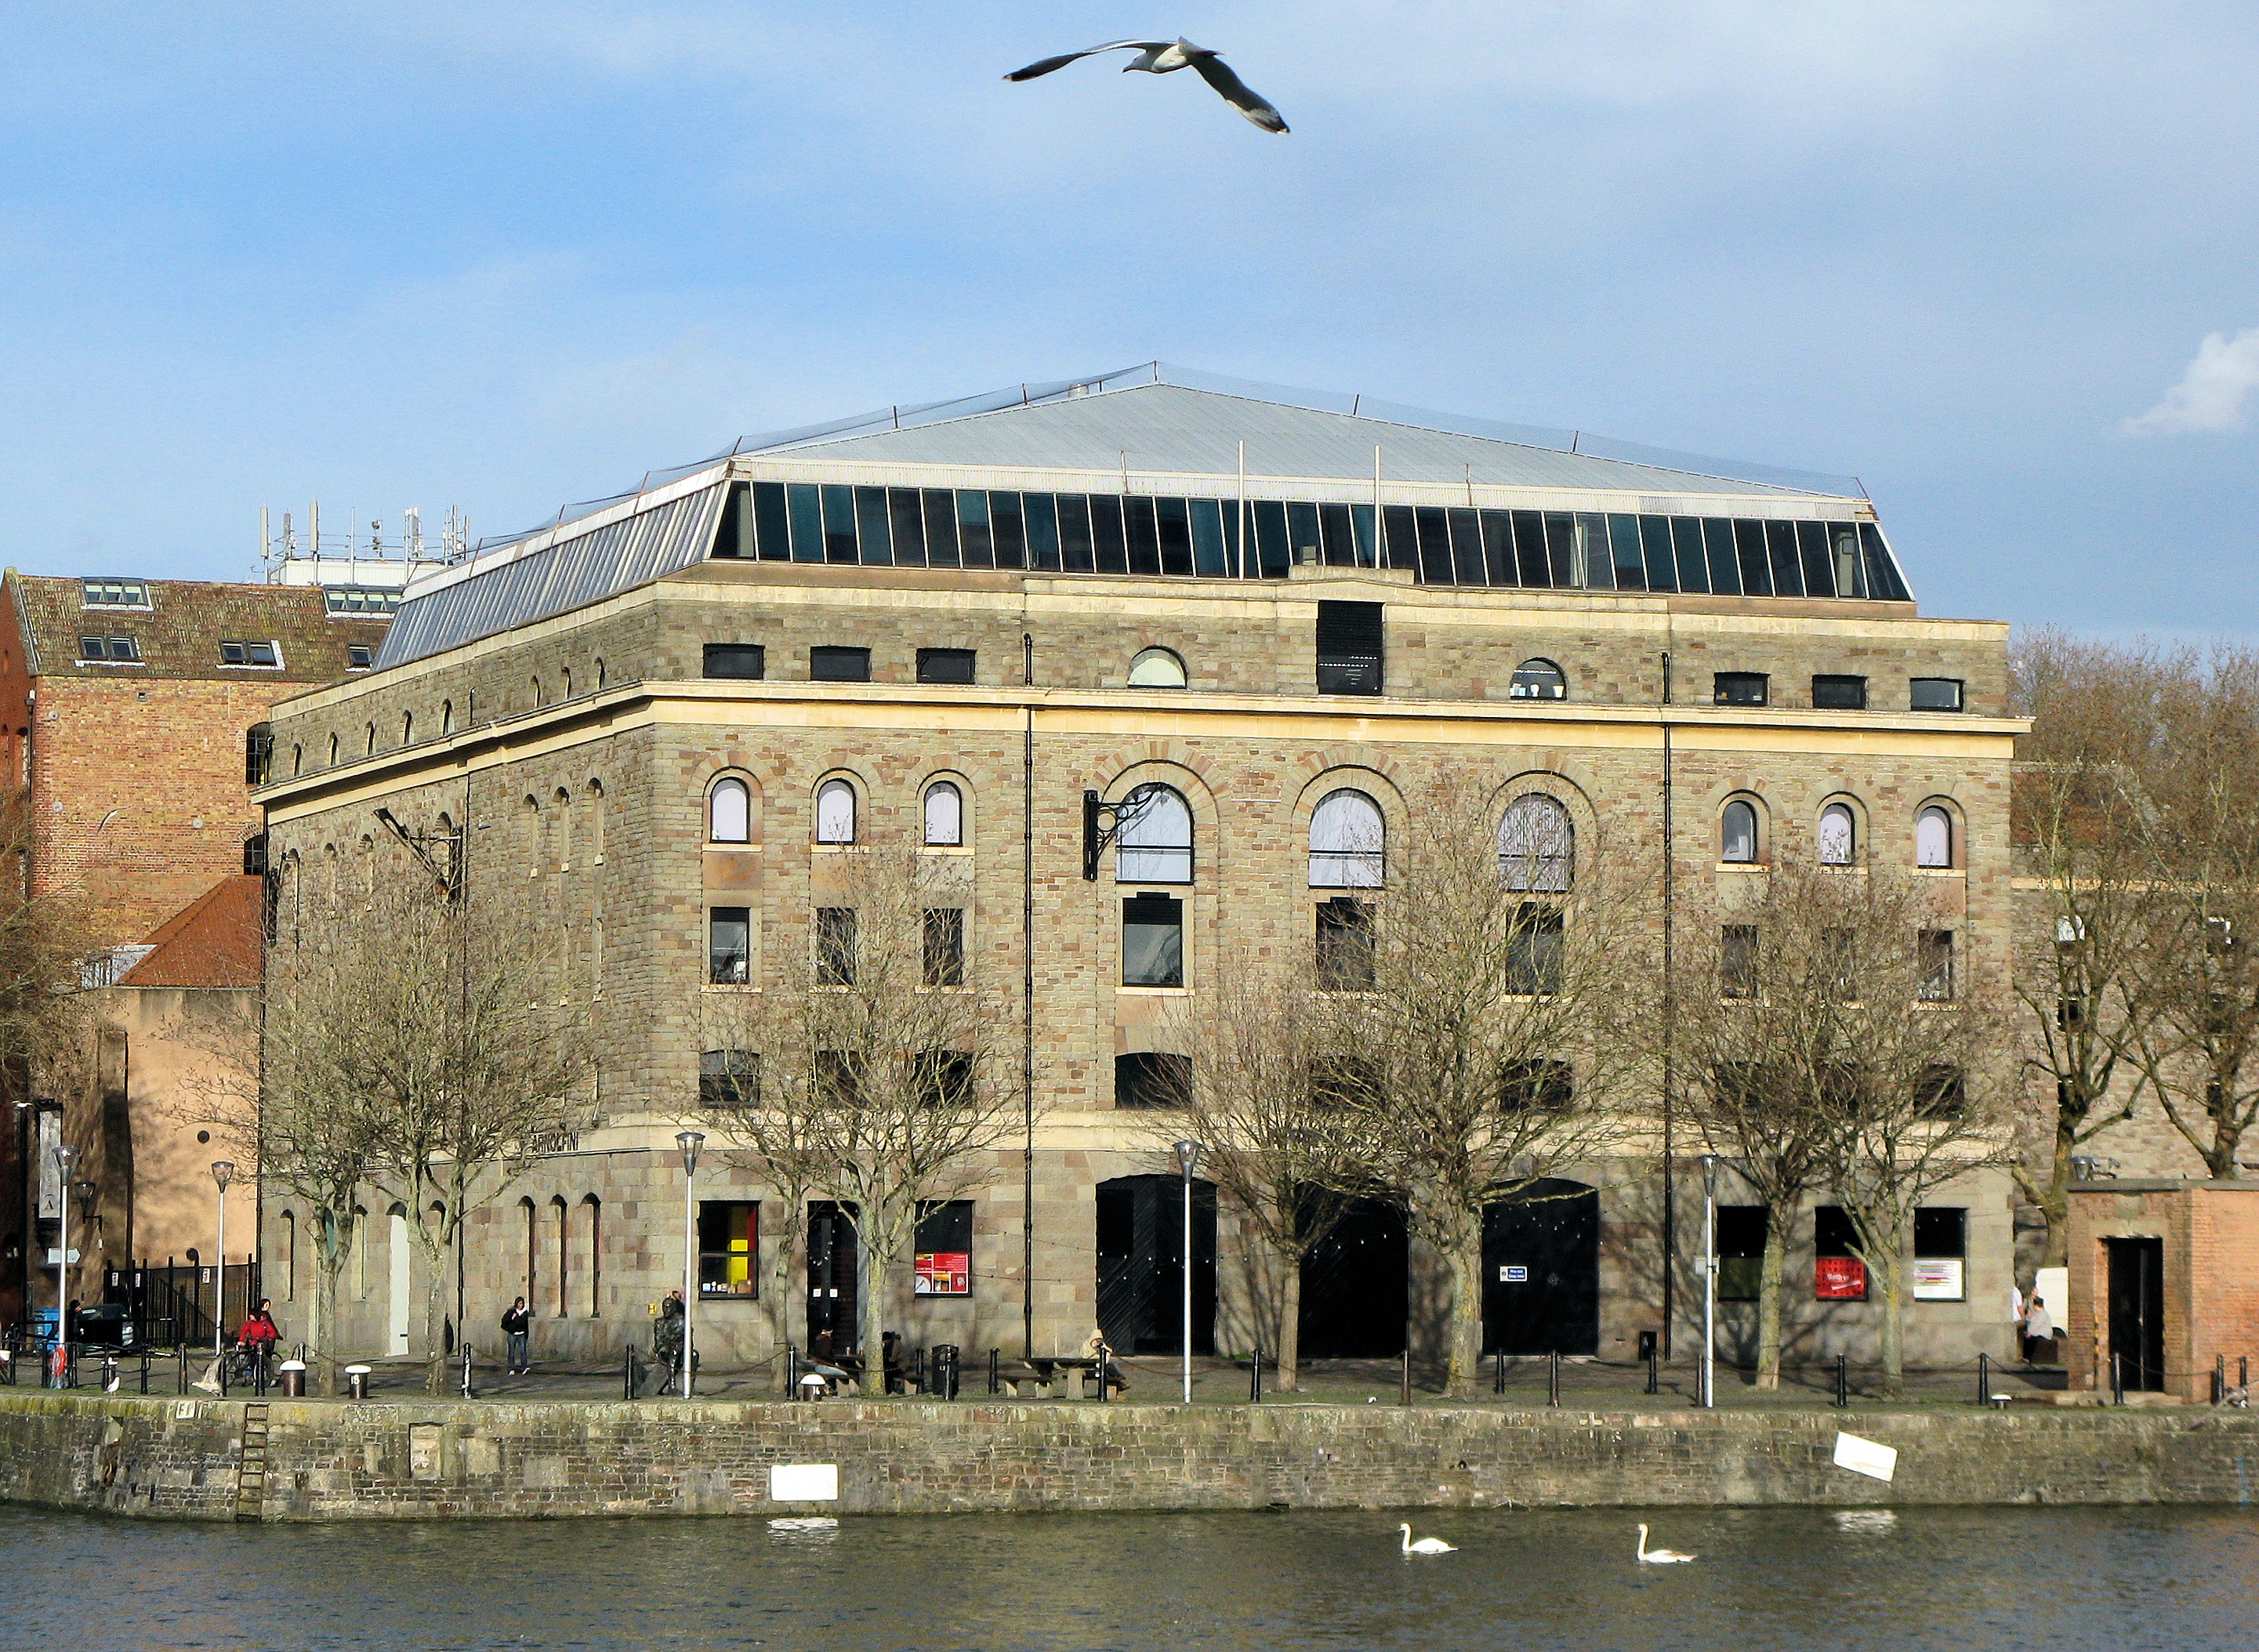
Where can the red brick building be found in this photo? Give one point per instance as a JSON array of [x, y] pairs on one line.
[[125, 707]]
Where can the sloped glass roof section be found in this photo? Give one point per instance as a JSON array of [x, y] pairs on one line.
[[1684, 523]]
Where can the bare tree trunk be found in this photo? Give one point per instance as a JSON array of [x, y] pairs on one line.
[[331, 1254], [1463, 1256], [784, 1257], [1289, 1351], [883, 1244], [1771, 1271], [1891, 1281]]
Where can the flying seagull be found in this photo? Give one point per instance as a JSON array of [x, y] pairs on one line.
[[1166, 56]]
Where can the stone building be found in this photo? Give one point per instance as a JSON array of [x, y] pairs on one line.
[[655, 724], [125, 709]]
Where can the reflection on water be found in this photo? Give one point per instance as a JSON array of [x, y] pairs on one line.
[[1801, 1580]]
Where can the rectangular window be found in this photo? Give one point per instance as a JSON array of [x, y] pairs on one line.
[[1533, 950], [805, 503], [835, 946], [1172, 522], [1344, 957], [941, 546], [728, 1249], [838, 523], [907, 527], [1740, 687], [1106, 533], [1940, 1251], [1839, 693], [115, 651], [729, 1079], [942, 1252], [1008, 529], [360, 657], [1148, 1079], [839, 665], [944, 664], [1737, 961], [873, 532], [1537, 1086], [355, 599], [114, 592], [945, 946], [1152, 941], [1740, 1251], [1935, 966], [234, 653], [729, 936], [746, 662], [1350, 648], [1935, 694], [1042, 511], [733, 535], [1837, 1276], [772, 522], [973, 532], [258, 753], [1075, 544]]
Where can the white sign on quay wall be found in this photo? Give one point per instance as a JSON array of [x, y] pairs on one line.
[[1865, 1457], [803, 1482]]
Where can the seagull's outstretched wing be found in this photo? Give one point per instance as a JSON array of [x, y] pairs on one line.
[[1217, 73], [1045, 66]]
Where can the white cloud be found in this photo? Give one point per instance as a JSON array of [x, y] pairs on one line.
[[2211, 393]]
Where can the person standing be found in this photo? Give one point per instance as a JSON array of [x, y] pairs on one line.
[[258, 1338], [518, 1329], [2039, 1331]]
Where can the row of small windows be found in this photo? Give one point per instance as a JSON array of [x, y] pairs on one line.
[[1110, 533], [1832, 692], [1934, 844], [730, 814]]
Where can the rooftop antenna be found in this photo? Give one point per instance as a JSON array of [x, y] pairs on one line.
[[411, 534]]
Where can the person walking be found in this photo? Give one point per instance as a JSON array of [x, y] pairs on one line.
[[518, 1330]]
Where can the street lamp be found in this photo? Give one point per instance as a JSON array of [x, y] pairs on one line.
[[1188, 1158], [1709, 1280], [223, 1173], [690, 1142], [64, 1155]]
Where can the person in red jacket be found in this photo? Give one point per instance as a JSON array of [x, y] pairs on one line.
[[259, 1334]]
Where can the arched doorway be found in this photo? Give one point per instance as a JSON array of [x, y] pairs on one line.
[[1353, 1286], [1542, 1271], [1141, 1280]]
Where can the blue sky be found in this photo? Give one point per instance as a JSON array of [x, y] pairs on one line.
[[1999, 260]]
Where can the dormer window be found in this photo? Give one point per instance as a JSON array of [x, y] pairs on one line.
[[108, 651], [360, 657], [236, 651], [114, 592], [353, 600]]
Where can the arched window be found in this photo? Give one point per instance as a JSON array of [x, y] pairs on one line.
[[594, 1225], [729, 813], [1348, 839], [600, 670], [532, 1252], [406, 728], [1933, 837], [945, 815], [834, 812], [1157, 668], [447, 716], [372, 740], [561, 1236], [1838, 836], [1155, 844], [1537, 844], [1538, 679], [289, 1256], [333, 750], [1737, 834], [298, 759]]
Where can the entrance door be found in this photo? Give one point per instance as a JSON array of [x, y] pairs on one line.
[[1141, 1278], [832, 1321], [2137, 1312], [1353, 1286], [1542, 1271], [397, 1258]]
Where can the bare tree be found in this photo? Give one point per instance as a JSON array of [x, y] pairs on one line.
[[1501, 1028], [1900, 1021], [881, 1080], [408, 1031], [45, 948], [1257, 1097], [2081, 816], [1762, 1066], [2198, 1046]]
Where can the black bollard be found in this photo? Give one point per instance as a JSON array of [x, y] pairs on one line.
[[1654, 1370], [2219, 1377], [1404, 1384], [792, 1371], [2243, 1372], [145, 1370], [995, 1377], [1983, 1380], [1553, 1380], [468, 1394], [2117, 1380], [1842, 1382], [1255, 1378], [181, 1355], [1498, 1372]]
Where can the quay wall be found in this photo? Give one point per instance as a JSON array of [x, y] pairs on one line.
[[178, 1458]]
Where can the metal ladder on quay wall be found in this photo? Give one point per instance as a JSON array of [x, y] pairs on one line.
[[251, 1464]]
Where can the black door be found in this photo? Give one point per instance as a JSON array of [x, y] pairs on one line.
[[1141, 1243], [2137, 1312], [1353, 1301], [1542, 1271], [832, 1322]]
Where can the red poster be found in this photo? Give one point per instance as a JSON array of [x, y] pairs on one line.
[[1839, 1279], [943, 1273]]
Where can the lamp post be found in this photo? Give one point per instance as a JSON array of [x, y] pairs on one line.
[[690, 1142], [1709, 1280], [223, 1173], [1188, 1155], [64, 1155]]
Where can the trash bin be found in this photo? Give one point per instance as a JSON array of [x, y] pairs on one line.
[[294, 1380], [357, 1382], [941, 1367]]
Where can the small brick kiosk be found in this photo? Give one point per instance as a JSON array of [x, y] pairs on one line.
[[2164, 1278]]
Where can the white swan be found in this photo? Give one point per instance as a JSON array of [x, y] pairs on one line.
[[1426, 1545], [1659, 1557]]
